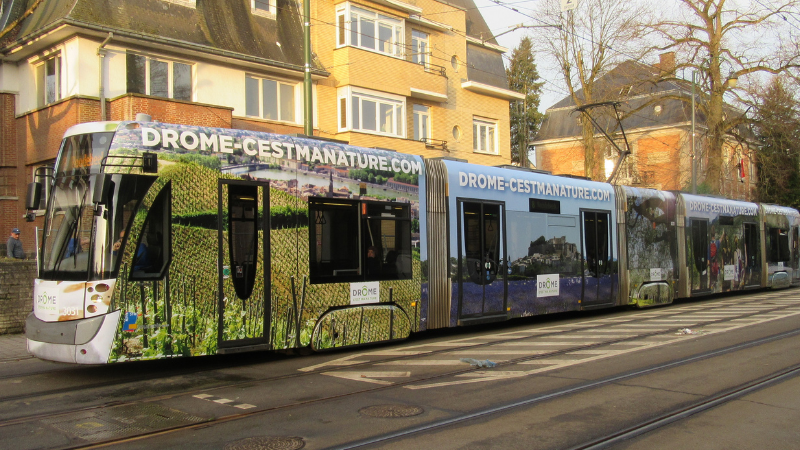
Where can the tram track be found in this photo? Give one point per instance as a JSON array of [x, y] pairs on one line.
[[246, 383], [451, 373], [641, 428], [704, 403]]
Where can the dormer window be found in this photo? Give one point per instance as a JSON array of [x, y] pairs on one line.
[[264, 8]]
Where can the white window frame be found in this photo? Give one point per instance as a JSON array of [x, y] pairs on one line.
[[186, 3], [484, 143], [260, 98], [422, 122], [420, 48], [256, 8], [170, 76], [350, 96], [42, 90], [351, 22]]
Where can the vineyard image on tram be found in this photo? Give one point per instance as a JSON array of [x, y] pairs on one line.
[[164, 240]]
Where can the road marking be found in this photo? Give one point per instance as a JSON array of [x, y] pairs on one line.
[[223, 401], [534, 344], [369, 377], [427, 362], [500, 352], [560, 363]]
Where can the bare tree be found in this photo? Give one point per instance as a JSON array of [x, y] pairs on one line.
[[593, 38], [724, 41]]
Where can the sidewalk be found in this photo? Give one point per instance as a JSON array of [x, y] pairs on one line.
[[12, 347]]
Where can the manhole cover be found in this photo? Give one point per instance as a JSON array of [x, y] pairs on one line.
[[389, 411], [268, 443]]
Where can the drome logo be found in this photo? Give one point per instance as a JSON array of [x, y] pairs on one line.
[[46, 302]]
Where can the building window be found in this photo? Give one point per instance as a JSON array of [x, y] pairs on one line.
[[372, 112], [420, 48], [270, 99], [457, 133], [48, 81], [159, 78], [369, 30], [484, 136], [266, 8], [422, 122]]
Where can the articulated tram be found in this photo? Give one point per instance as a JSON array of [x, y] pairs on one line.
[[165, 240]]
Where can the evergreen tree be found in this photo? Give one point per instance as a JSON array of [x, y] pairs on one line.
[[525, 116], [778, 159]]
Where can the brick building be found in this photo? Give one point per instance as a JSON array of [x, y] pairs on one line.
[[657, 118], [422, 77]]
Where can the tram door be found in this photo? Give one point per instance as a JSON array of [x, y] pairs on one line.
[[752, 255], [481, 259], [243, 264], [795, 255], [700, 249], [598, 278]]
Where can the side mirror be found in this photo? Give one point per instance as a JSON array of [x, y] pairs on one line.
[[102, 186], [34, 195]]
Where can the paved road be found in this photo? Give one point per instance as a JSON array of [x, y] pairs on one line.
[[569, 381]]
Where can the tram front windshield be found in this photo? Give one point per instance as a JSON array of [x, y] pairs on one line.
[[83, 240]]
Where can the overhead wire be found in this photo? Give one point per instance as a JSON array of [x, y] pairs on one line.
[[463, 33]]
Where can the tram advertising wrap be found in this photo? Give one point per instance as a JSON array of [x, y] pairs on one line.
[[165, 240]]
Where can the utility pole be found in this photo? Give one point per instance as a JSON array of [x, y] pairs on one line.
[[308, 104], [694, 149]]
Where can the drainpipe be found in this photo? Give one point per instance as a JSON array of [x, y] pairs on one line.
[[101, 53]]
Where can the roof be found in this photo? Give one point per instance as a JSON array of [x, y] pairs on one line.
[[483, 65], [226, 25], [632, 84]]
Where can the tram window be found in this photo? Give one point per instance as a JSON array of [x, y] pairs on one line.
[[388, 241], [334, 240], [154, 245], [243, 237], [778, 245], [350, 240]]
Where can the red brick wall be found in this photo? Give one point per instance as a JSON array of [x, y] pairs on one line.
[[126, 107], [658, 161], [9, 158], [268, 127]]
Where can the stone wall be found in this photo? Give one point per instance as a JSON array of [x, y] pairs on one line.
[[16, 294]]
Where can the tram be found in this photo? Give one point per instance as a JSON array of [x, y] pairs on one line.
[[166, 240]]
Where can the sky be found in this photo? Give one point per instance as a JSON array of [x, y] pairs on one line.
[[501, 19]]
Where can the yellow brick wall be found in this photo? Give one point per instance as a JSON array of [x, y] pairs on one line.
[[356, 67]]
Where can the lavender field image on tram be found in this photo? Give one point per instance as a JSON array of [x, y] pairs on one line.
[[524, 243]]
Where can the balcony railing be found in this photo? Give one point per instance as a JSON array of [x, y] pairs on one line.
[[435, 144]]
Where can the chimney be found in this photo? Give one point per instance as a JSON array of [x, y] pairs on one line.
[[666, 62]]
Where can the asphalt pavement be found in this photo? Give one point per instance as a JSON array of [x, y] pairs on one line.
[[13, 346]]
